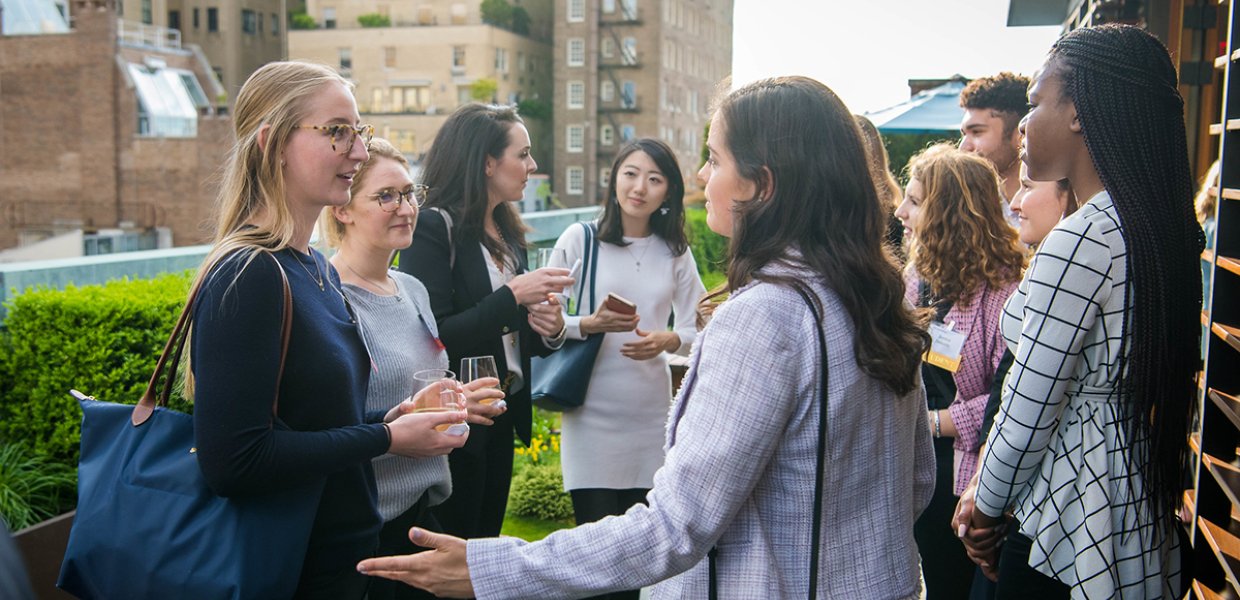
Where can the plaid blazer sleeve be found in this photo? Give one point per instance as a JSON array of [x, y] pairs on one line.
[[753, 371]]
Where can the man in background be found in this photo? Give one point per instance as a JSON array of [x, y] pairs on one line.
[[993, 107]]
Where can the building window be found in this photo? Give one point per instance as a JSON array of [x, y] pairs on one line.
[[607, 91], [458, 57], [629, 7], [146, 12], [346, 59], [168, 101], [576, 181], [604, 177], [629, 54], [609, 6], [213, 19], [576, 11], [628, 95], [607, 47], [195, 17], [576, 94], [389, 57], [576, 138], [249, 24], [459, 13], [501, 60], [329, 18], [606, 135], [576, 52], [411, 99], [464, 94], [376, 101], [174, 19], [275, 24], [522, 65], [628, 133]]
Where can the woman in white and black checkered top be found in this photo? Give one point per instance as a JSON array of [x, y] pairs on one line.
[[1090, 444]]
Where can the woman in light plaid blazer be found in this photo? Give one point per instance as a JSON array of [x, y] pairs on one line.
[[787, 181], [1090, 445]]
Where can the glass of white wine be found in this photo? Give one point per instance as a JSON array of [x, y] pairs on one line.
[[445, 401], [477, 367], [551, 257]]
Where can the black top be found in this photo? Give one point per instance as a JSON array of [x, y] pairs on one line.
[[320, 431], [996, 394], [472, 317]]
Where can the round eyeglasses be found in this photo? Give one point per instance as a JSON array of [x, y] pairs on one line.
[[389, 198], [343, 134]]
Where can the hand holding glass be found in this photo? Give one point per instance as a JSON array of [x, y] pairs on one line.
[[446, 401], [477, 367]]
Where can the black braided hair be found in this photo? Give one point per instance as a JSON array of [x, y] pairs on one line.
[[1123, 85]]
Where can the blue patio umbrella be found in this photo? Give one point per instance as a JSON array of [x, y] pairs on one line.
[[935, 110]]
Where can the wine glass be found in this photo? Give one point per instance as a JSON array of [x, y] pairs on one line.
[[445, 401], [551, 257], [477, 367]]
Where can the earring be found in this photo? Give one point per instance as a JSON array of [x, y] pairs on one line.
[[664, 210]]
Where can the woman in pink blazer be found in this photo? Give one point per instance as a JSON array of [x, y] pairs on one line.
[[965, 262]]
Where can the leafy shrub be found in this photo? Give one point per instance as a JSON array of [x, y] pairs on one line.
[[374, 20], [103, 340], [32, 487], [538, 491], [710, 250], [301, 20]]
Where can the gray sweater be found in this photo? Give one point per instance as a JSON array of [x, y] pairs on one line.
[[400, 333]]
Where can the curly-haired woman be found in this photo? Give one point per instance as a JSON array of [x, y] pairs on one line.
[[965, 261]]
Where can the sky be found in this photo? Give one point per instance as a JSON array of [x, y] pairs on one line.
[[867, 50]]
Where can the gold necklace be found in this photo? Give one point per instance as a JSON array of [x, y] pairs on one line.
[[395, 291], [318, 280]]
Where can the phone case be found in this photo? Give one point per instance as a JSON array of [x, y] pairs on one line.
[[618, 304]]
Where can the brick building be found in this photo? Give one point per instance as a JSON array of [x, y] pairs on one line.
[[413, 73], [109, 130], [633, 68]]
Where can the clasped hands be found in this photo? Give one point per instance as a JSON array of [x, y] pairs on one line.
[[415, 435], [981, 534]]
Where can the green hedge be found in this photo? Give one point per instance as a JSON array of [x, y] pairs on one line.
[[710, 250], [102, 340], [538, 491]]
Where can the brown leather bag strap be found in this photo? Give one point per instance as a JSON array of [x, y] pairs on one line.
[[175, 347]]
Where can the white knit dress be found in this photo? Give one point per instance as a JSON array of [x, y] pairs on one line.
[[615, 441]]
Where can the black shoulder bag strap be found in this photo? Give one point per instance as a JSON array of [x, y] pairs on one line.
[[590, 251], [819, 470]]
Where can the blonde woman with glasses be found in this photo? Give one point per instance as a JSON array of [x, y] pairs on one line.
[[299, 146], [394, 317]]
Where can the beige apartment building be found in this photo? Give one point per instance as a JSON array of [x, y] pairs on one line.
[[115, 138], [236, 36], [411, 75], [633, 68]]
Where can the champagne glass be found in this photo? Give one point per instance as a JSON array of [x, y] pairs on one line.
[[551, 257], [477, 367], [445, 401]]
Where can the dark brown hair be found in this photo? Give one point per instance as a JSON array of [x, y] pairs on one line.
[[455, 171], [794, 136], [670, 227], [1003, 93]]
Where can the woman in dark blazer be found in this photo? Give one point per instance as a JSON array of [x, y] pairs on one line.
[[469, 250]]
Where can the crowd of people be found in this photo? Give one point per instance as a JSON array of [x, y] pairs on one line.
[[979, 386]]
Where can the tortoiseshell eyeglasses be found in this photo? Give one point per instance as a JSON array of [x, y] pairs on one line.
[[343, 134]]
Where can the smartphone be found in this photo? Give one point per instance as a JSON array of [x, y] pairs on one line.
[[619, 304]]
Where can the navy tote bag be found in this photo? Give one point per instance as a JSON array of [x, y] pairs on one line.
[[147, 525]]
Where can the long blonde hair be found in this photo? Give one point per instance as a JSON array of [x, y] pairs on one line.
[[253, 215], [332, 230]]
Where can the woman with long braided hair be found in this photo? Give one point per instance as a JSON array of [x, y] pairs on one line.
[[1090, 445]]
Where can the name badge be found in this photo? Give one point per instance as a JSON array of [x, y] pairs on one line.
[[945, 346]]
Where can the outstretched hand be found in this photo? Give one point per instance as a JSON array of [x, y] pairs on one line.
[[650, 344], [442, 570]]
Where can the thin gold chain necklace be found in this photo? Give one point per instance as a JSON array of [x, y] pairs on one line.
[[319, 279]]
